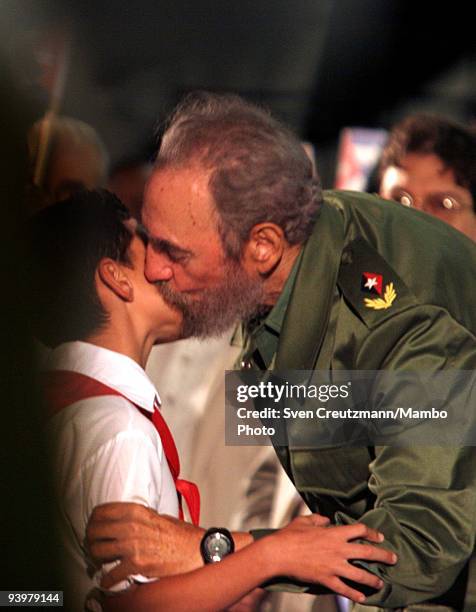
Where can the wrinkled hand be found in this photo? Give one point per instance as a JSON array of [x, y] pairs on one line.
[[312, 551], [145, 542]]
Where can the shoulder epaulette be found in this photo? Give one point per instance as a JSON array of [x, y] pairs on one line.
[[370, 284]]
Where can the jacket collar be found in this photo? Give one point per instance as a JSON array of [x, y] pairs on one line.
[[307, 316]]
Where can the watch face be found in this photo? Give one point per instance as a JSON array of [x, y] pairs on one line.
[[217, 546]]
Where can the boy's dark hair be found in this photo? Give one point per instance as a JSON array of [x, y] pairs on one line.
[[428, 134], [66, 243]]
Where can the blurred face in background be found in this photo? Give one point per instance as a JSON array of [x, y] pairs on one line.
[[73, 167], [422, 181]]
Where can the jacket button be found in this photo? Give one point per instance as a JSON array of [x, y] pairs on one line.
[[246, 364]]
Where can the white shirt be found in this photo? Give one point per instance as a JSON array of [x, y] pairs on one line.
[[104, 450]]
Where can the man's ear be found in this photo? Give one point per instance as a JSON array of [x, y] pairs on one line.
[[111, 273], [264, 248]]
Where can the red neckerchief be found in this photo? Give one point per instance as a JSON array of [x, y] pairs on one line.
[[62, 388]]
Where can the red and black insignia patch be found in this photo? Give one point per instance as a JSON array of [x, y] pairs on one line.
[[372, 283]]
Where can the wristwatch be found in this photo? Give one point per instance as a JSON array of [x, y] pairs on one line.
[[216, 544]]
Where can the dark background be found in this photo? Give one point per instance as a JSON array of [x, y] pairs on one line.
[[318, 64]]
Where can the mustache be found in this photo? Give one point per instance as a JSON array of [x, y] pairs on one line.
[[215, 309], [171, 296]]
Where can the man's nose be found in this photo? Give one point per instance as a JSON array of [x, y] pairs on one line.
[[157, 267]]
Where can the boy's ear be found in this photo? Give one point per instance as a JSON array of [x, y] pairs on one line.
[[112, 274]]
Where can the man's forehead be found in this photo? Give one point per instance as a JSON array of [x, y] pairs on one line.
[[422, 170], [187, 175], [426, 166], [178, 200]]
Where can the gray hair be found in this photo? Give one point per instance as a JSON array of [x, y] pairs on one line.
[[259, 170]]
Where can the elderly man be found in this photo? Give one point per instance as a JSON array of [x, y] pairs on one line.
[[239, 229]]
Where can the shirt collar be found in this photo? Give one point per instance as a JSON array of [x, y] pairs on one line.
[[115, 370]]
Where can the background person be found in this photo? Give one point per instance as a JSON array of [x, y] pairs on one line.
[[429, 163], [76, 158]]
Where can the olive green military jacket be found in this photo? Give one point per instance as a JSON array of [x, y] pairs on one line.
[[423, 499]]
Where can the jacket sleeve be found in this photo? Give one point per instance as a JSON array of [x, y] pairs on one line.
[[425, 501], [425, 496]]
